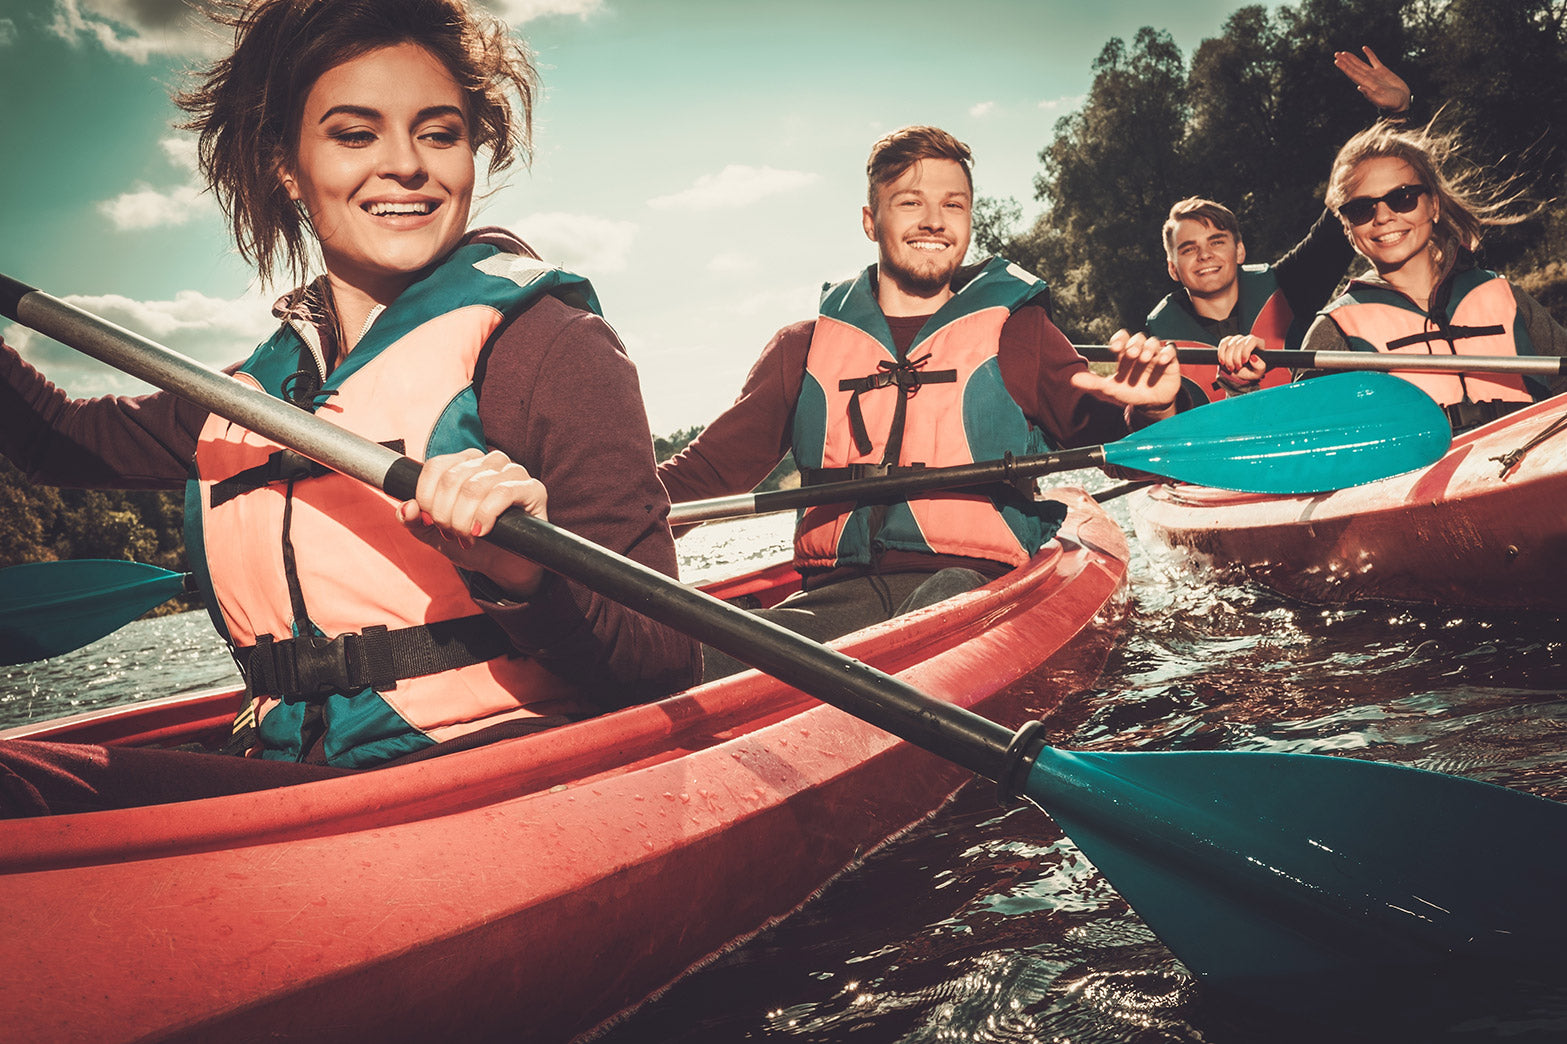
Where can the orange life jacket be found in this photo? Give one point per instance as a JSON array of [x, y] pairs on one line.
[[1478, 317], [1263, 312], [311, 575], [943, 402]]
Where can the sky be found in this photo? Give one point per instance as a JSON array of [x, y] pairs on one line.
[[702, 163]]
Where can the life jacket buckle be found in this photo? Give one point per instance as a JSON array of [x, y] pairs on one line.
[[321, 665], [1470, 414]]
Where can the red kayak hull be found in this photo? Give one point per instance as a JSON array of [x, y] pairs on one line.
[[1469, 531], [529, 890]]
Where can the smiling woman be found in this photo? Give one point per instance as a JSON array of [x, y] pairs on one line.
[[384, 169], [371, 630], [1409, 208]]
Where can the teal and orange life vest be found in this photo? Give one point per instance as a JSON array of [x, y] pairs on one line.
[[290, 557], [941, 403], [1474, 313], [1262, 311]]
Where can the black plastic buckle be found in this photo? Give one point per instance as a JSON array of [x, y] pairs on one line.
[[321, 665], [1468, 414]]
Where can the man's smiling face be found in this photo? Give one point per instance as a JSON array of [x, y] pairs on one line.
[[921, 226], [1206, 260]]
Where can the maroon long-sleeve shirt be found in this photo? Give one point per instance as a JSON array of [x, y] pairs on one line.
[[559, 396], [745, 442]]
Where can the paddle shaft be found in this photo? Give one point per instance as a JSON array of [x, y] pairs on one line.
[[897, 485], [1382, 362], [975, 742]]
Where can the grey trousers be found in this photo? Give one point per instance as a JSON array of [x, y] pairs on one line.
[[832, 610]]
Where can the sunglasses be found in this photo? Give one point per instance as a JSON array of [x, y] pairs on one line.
[[1401, 200]]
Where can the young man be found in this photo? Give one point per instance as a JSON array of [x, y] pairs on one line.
[[1239, 308], [916, 361]]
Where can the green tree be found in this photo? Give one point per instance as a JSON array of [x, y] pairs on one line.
[[785, 475], [28, 516], [1254, 123], [1108, 178], [995, 222]]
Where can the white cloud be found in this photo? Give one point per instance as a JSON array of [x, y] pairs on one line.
[[181, 152], [213, 330], [735, 186], [581, 243], [1061, 105], [516, 12], [7, 32], [732, 263], [148, 207], [983, 109], [142, 29]]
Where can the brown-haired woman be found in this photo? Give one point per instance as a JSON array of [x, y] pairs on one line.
[[348, 129], [1419, 226]]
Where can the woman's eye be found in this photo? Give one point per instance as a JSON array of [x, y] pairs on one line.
[[354, 138]]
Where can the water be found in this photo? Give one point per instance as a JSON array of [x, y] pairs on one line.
[[986, 924]]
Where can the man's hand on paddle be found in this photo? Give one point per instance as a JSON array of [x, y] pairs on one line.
[[1147, 376], [459, 497], [1382, 87]]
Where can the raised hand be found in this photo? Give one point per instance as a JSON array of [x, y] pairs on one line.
[[1382, 87]]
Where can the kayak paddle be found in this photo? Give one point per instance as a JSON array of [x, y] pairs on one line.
[[1258, 870], [1386, 362], [1302, 437], [49, 608]]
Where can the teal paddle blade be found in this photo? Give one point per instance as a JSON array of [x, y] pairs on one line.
[[1291, 878], [49, 608], [1304, 437]]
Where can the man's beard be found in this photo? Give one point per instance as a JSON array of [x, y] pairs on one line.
[[927, 283]]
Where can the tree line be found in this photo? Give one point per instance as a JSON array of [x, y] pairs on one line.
[[1253, 120], [46, 524]]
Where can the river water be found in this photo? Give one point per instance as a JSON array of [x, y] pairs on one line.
[[986, 924]]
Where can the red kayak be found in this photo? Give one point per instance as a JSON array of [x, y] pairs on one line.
[[533, 889], [1485, 526]]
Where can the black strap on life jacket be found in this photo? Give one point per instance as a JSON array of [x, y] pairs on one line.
[[1445, 333], [1467, 414], [312, 667], [905, 374], [854, 472], [285, 465]]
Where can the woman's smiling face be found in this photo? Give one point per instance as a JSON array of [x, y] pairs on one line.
[[384, 167], [1389, 238]]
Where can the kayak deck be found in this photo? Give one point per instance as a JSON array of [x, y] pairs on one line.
[[1482, 527], [531, 889]]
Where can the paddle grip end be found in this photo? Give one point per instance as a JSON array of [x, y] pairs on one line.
[[11, 294], [402, 479]]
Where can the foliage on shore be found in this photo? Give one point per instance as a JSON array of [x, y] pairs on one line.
[[1253, 120]]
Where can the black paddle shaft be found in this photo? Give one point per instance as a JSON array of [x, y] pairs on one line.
[[895, 485], [953, 732]]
